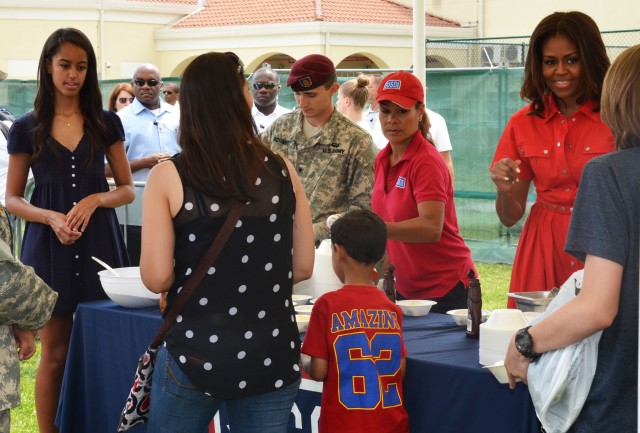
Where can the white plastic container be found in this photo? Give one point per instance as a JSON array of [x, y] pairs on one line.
[[324, 279], [496, 333]]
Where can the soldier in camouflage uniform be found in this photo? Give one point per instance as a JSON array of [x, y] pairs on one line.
[[333, 156], [26, 303]]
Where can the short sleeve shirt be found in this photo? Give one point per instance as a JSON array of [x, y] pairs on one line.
[[359, 332], [606, 223], [424, 270], [554, 149]]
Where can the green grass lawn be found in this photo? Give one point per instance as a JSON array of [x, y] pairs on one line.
[[23, 417], [494, 279]]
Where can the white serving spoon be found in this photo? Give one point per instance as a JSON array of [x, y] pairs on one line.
[[107, 267]]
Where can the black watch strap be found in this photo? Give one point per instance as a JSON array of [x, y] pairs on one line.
[[524, 344]]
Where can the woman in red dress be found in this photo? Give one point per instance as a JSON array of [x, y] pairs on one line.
[[549, 142]]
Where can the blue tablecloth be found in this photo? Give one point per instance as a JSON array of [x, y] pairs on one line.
[[445, 388]]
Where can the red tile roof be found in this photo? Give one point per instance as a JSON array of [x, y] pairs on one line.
[[219, 13]]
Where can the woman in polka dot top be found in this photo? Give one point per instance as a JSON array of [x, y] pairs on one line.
[[236, 340]]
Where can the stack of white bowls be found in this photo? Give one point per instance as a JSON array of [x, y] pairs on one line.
[[496, 333]]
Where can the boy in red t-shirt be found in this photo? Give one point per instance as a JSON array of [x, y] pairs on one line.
[[354, 341]]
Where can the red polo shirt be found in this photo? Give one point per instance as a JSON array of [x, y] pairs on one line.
[[423, 270]]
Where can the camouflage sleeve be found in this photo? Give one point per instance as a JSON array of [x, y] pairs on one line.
[[25, 300], [266, 137], [361, 175], [320, 231], [9, 371], [360, 181]]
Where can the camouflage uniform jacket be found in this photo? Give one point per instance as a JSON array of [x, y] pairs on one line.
[[335, 166], [25, 301]]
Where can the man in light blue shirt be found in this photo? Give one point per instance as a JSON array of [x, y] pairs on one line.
[[150, 137], [150, 124]]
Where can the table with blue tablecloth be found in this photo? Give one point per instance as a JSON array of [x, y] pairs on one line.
[[445, 388]]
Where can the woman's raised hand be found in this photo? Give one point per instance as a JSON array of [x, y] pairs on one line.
[[505, 173]]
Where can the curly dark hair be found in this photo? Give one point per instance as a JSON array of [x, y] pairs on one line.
[[583, 32]]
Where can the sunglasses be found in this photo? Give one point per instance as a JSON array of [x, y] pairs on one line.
[[124, 100], [268, 86], [168, 92], [150, 83]]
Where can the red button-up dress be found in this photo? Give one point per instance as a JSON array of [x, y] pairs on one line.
[[553, 149]]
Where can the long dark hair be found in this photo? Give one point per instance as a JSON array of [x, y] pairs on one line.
[[90, 96], [217, 131], [583, 32]]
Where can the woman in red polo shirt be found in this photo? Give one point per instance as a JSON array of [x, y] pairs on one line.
[[413, 194], [548, 143]]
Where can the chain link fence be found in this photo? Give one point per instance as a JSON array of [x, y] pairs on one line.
[[505, 52]]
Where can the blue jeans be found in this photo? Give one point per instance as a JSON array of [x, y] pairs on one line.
[[178, 406]]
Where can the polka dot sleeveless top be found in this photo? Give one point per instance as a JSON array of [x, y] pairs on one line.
[[237, 335]]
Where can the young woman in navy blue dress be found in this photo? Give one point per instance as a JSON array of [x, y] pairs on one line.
[[70, 216]]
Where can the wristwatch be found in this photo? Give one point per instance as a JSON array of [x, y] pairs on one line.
[[524, 344]]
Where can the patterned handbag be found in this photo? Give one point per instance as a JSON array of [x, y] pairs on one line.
[[136, 409]]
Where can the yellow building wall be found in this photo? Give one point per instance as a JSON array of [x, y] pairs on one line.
[[519, 17]]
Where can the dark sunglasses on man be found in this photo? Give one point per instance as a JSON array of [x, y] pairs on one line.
[[124, 100], [167, 92], [268, 86], [150, 83]]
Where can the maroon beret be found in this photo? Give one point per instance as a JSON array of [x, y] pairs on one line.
[[310, 72]]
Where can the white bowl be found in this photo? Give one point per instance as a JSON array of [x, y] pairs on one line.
[[127, 290], [302, 320], [460, 316], [507, 318], [499, 371], [415, 307], [496, 334], [303, 309], [300, 299]]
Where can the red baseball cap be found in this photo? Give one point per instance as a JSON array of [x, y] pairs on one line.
[[402, 88]]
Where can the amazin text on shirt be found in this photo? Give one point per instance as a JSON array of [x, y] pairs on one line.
[[360, 318]]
